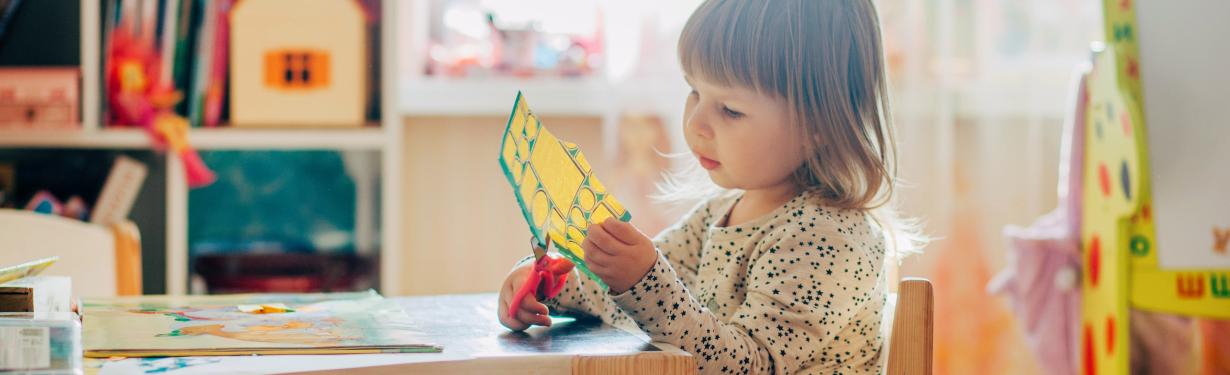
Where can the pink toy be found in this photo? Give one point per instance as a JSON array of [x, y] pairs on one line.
[[45, 203], [75, 208]]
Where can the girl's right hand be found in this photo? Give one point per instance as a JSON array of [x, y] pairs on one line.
[[531, 312]]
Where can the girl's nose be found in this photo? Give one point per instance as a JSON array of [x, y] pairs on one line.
[[698, 124]]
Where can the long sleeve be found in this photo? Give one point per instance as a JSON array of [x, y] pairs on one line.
[[680, 243], [811, 297]]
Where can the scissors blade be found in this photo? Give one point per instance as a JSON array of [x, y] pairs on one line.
[[540, 252]]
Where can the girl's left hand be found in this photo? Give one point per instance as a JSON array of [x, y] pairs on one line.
[[618, 253]]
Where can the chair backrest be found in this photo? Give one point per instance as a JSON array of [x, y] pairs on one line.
[[102, 261], [911, 340]]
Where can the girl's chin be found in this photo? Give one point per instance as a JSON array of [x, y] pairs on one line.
[[720, 180]]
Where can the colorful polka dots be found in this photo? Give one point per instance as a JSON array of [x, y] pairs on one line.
[[1112, 195], [1093, 265], [1140, 246], [1110, 335], [1087, 353], [1104, 179]]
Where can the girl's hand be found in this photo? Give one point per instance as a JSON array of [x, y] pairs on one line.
[[618, 253], [531, 312]]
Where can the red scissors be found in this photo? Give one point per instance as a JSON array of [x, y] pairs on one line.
[[546, 279]]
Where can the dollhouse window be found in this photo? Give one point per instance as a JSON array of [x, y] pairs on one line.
[[295, 69]]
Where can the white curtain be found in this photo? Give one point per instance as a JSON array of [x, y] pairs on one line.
[[980, 88]]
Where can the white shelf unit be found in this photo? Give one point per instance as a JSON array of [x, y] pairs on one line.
[[436, 96], [385, 139], [422, 95]]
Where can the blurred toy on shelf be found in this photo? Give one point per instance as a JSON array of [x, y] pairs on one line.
[[119, 192], [139, 97], [113, 203], [75, 208], [38, 98], [305, 67], [44, 202], [485, 38]]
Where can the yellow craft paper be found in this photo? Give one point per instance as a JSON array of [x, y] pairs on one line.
[[554, 185], [30, 268]]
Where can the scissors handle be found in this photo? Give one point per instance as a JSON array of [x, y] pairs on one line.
[[530, 284], [546, 279]]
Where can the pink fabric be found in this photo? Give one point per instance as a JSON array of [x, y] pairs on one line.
[[1042, 279], [1042, 284]]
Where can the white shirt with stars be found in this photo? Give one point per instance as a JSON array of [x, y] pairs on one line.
[[798, 290]]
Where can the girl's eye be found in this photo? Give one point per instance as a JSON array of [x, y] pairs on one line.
[[693, 94], [731, 113]]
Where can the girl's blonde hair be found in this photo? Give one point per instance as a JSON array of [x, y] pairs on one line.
[[824, 58]]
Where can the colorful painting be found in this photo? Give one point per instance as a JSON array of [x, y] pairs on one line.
[[554, 185], [169, 326], [163, 365]]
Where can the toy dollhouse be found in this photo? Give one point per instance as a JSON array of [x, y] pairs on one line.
[[295, 64]]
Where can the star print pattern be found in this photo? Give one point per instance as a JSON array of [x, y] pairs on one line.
[[798, 290]]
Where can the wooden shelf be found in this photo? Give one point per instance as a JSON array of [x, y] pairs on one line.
[[365, 138], [73, 139]]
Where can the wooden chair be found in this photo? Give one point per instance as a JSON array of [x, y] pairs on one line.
[[911, 340], [102, 261]]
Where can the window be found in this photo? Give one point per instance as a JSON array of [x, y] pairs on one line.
[[297, 69]]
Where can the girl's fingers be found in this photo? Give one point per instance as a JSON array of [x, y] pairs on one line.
[[531, 305], [603, 239], [624, 232], [527, 318], [511, 323], [534, 312], [594, 256]]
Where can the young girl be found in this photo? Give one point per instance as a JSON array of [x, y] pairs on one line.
[[780, 272]]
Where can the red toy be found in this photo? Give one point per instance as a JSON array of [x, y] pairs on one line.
[[136, 98]]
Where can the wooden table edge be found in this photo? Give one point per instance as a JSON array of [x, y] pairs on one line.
[[666, 362]]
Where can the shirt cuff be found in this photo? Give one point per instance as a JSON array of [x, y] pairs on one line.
[[527, 260], [659, 284]]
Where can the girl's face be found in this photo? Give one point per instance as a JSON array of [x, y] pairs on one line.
[[743, 138]]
